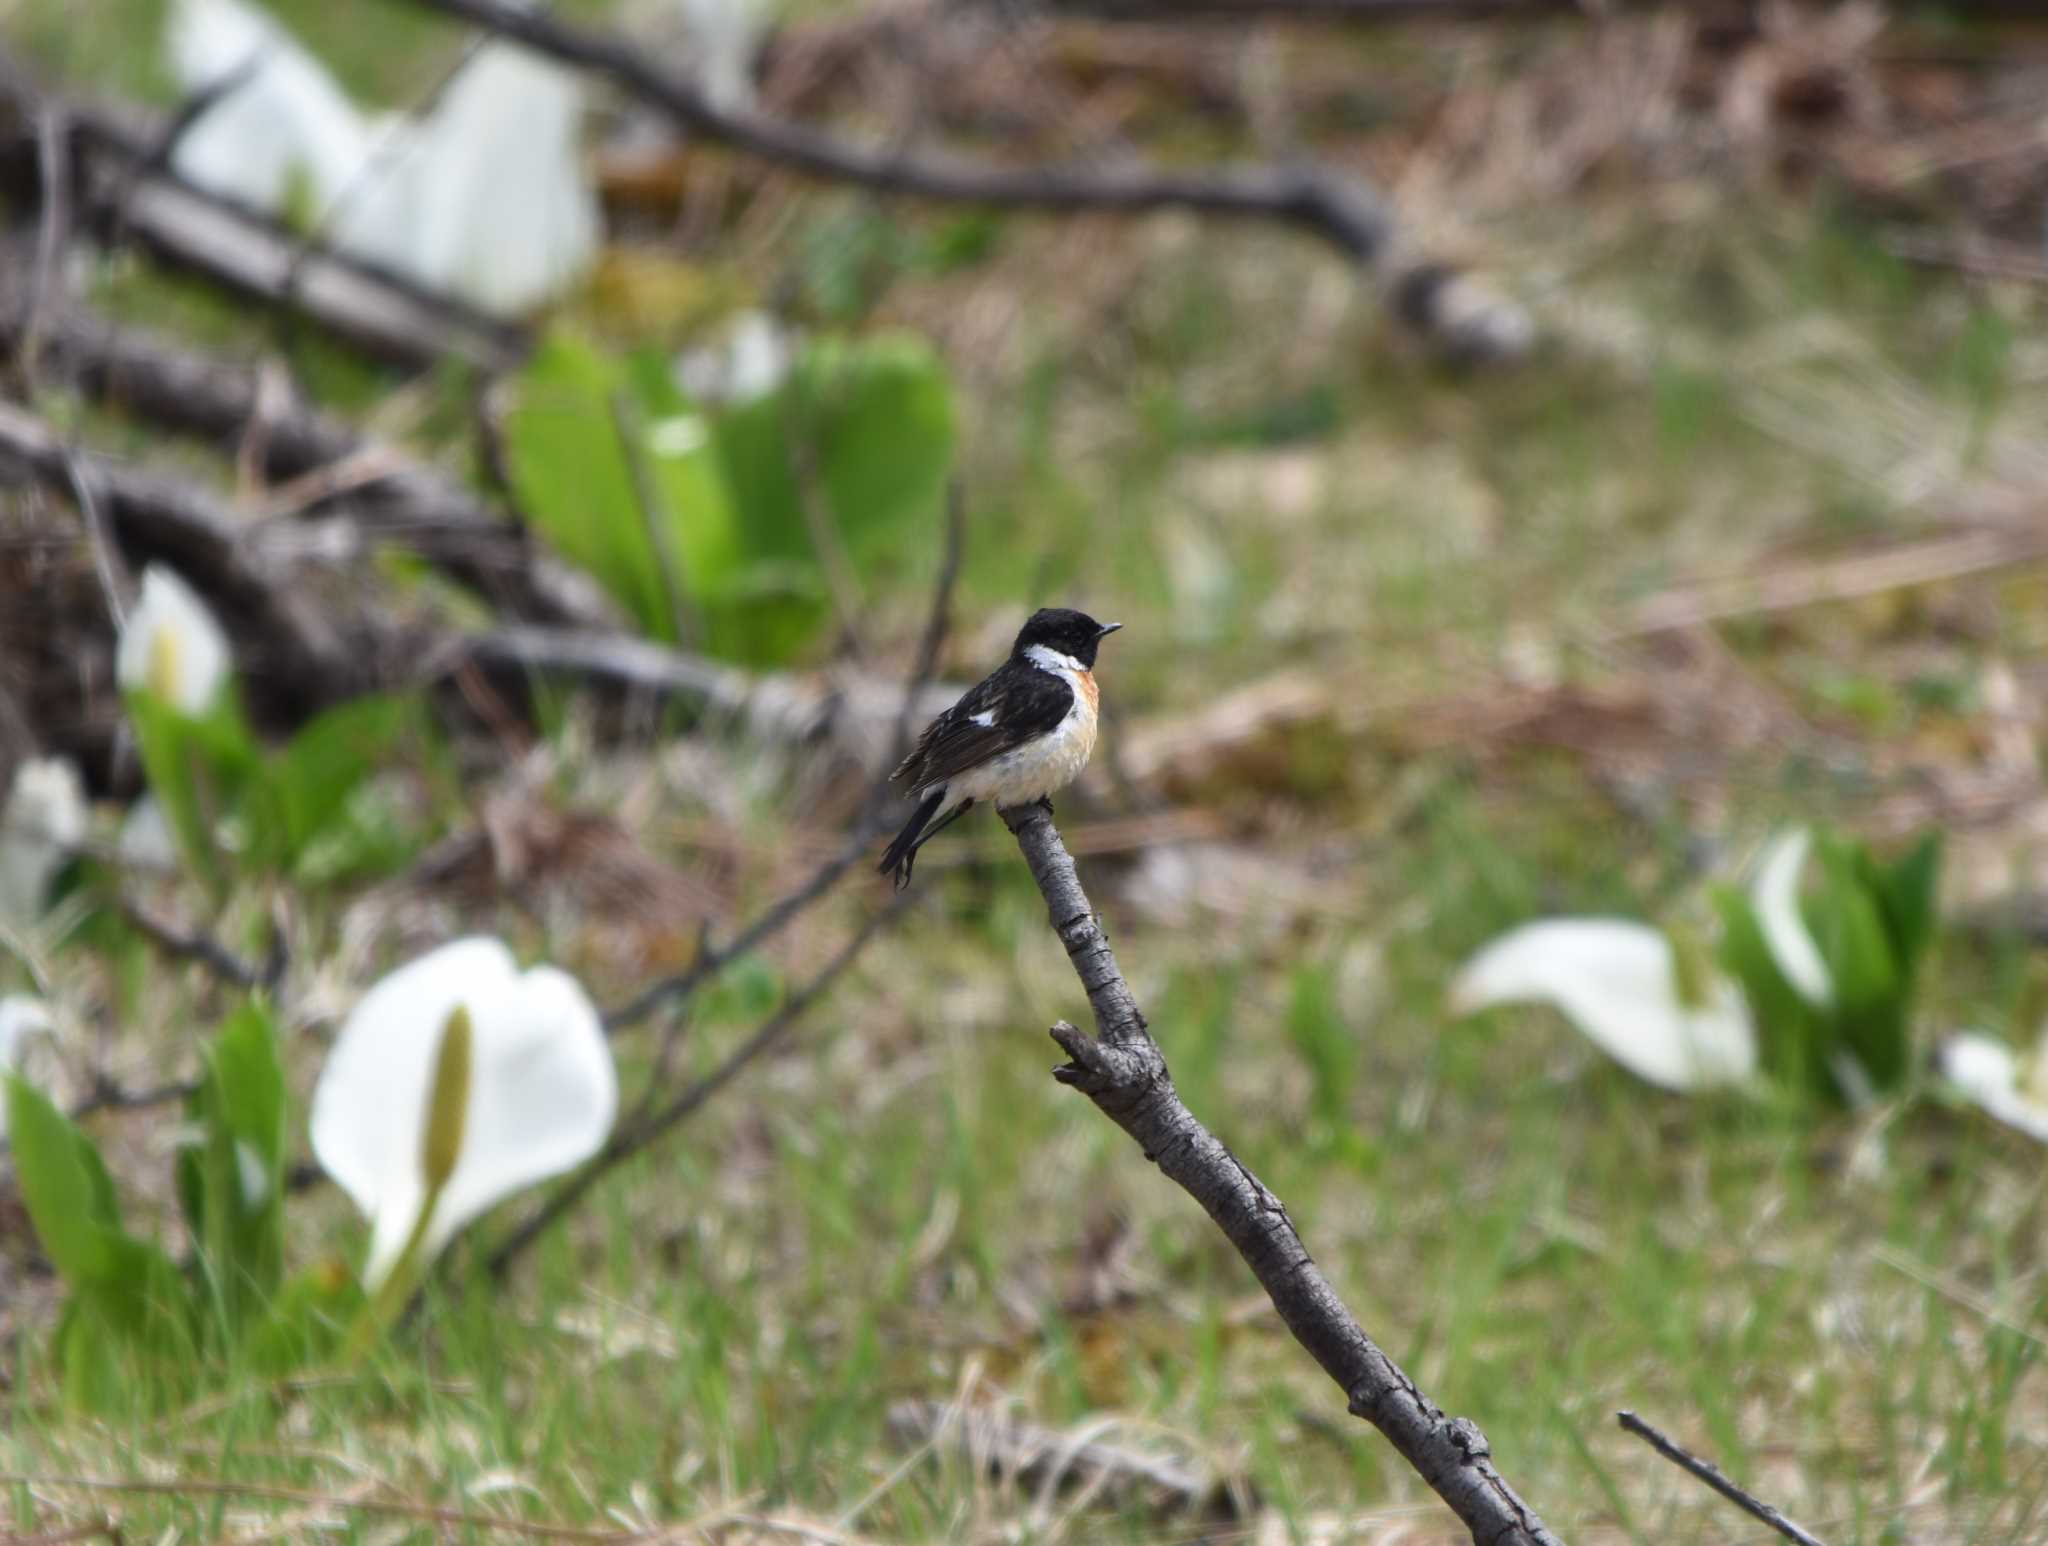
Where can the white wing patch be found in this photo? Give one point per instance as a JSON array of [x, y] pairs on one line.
[[986, 719]]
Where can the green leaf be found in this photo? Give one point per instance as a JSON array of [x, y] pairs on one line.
[[1907, 891], [308, 1321], [1792, 1040], [578, 463], [231, 1181], [197, 768], [629, 479], [128, 1342], [307, 788], [863, 433], [1869, 1016], [64, 1182], [1849, 928]]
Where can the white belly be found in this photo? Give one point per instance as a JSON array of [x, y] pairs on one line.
[[1034, 770]]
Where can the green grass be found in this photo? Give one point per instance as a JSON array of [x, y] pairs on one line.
[[1846, 1317]]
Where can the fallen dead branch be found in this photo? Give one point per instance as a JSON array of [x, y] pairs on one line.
[[168, 384], [309, 659], [1123, 1071], [1711, 1475], [1455, 312], [855, 710]]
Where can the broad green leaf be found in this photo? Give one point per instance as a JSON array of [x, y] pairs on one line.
[[1792, 1041], [197, 768], [1850, 930], [859, 439], [1907, 892], [65, 1184], [1870, 1018], [586, 432], [231, 1181], [307, 787]]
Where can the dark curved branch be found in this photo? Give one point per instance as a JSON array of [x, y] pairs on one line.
[[160, 515], [1341, 210], [1123, 1071], [1463, 318]]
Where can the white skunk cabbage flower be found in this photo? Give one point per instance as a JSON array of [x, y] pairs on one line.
[[728, 35], [20, 1018], [1619, 983], [486, 197], [145, 841], [455, 1082], [1775, 898], [172, 647], [1986, 1073], [505, 216], [286, 118], [43, 820]]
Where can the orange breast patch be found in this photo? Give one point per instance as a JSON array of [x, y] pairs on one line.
[[1089, 690]]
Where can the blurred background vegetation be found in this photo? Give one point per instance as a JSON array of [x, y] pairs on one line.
[[1746, 533]]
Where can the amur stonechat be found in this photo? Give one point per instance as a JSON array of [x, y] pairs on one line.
[[1022, 732]]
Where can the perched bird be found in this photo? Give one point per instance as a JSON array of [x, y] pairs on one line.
[[1021, 732]]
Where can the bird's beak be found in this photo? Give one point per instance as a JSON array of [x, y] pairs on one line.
[[1107, 629]]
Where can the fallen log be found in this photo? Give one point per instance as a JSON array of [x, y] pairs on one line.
[[387, 492]]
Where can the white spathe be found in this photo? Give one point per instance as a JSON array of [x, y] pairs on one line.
[[485, 197], [728, 35], [43, 820], [284, 118], [145, 841], [1988, 1074], [171, 646], [1775, 899], [504, 215], [20, 1018], [542, 1091], [1617, 981]]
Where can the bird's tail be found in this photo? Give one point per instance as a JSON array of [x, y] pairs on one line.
[[902, 853]]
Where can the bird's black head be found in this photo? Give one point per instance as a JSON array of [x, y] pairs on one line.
[[1065, 630]]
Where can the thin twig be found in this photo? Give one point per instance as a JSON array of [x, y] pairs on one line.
[[115, 584], [1124, 1072], [198, 945], [1711, 1475], [659, 1122], [53, 170], [650, 1120], [866, 826], [108, 1096]]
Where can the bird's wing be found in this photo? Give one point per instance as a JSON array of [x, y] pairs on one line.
[[1003, 711]]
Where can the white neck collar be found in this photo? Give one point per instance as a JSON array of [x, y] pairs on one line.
[[1047, 658]]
